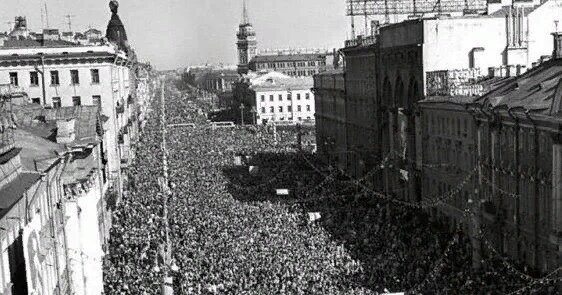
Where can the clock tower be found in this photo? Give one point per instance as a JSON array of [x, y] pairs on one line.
[[247, 44]]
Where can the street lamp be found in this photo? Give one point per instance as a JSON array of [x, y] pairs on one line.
[[254, 111], [242, 107]]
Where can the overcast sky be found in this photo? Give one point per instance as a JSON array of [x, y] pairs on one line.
[[177, 33]]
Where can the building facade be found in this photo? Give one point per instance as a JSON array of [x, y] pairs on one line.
[[275, 97], [329, 99], [292, 64], [470, 160]]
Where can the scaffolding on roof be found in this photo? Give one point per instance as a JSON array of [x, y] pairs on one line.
[[413, 7]]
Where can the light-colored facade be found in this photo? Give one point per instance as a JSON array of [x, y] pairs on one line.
[[80, 75], [280, 98]]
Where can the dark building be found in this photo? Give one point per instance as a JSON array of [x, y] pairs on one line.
[[329, 93], [361, 64]]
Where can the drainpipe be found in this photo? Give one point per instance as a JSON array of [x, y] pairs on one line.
[[53, 229], [536, 188], [43, 80], [61, 194], [517, 178], [42, 72]]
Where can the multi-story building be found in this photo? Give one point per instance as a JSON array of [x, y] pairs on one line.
[[435, 147], [72, 75], [506, 143], [363, 117], [275, 97], [329, 99]]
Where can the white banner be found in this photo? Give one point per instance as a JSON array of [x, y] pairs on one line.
[[282, 192]]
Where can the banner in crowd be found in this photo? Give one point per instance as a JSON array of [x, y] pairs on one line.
[[34, 256], [282, 192]]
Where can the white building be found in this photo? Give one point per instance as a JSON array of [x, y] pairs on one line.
[[72, 75], [280, 98]]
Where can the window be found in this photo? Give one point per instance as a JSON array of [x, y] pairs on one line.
[[289, 96], [14, 79], [298, 96], [263, 98], [308, 108], [263, 110], [280, 109], [271, 109], [95, 76], [298, 108], [55, 78], [74, 77], [36, 100], [34, 78], [280, 97], [307, 96], [271, 97], [76, 101], [96, 100], [289, 108], [56, 102]]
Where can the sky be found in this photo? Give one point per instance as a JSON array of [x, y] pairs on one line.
[[177, 33]]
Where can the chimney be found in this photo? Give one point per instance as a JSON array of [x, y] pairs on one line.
[[557, 53], [66, 131]]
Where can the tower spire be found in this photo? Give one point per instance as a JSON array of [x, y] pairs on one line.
[[245, 18]]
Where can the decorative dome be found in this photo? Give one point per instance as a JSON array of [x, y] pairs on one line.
[[115, 29]]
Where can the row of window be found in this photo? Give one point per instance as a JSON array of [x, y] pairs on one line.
[[289, 109], [289, 97], [76, 101], [301, 73], [272, 65], [55, 79], [264, 121]]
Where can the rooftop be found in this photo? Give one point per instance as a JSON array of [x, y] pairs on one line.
[[13, 192], [279, 81], [36, 43], [538, 90], [289, 57]]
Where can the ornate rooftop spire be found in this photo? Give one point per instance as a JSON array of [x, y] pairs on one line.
[[245, 17]]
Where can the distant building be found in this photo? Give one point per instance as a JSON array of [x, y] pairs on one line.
[[294, 64], [289, 62], [276, 97], [246, 44]]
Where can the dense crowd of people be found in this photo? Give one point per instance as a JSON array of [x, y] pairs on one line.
[[231, 233]]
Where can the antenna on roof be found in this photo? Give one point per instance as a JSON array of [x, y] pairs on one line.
[[69, 18], [46, 14]]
